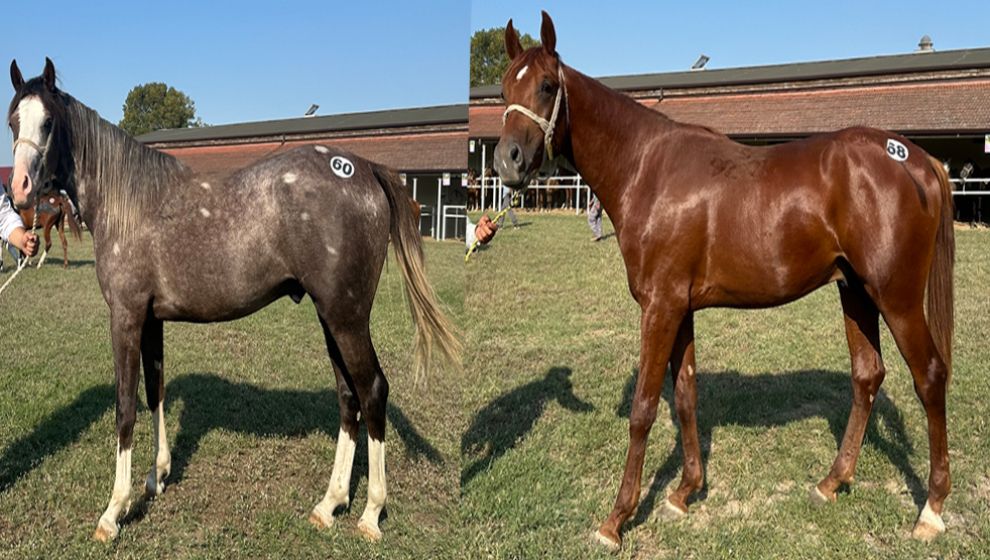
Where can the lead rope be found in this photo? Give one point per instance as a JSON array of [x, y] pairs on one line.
[[21, 265], [501, 214]]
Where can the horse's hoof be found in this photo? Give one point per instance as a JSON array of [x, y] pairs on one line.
[[818, 498], [611, 544], [320, 520], [929, 526], [369, 531], [671, 512], [106, 531], [153, 488]]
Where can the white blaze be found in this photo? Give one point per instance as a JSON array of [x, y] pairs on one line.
[[31, 114], [521, 73]]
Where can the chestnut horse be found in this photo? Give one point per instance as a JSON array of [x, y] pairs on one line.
[[703, 221], [53, 211], [149, 214]]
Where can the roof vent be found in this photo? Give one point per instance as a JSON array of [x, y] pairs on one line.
[[700, 63], [926, 44], [311, 112]]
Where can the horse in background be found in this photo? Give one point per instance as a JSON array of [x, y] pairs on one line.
[[53, 211]]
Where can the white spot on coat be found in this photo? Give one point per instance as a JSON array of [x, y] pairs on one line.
[[331, 250], [206, 186], [304, 217], [204, 212], [522, 73], [289, 178], [322, 149], [116, 249]]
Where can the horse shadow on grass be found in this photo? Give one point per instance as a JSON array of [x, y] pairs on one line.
[[209, 403], [499, 426], [776, 399]]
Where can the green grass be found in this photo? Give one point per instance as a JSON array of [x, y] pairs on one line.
[[553, 350], [520, 459], [252, 421]]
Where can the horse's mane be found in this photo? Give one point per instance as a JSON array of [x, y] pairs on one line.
[[129, 178]]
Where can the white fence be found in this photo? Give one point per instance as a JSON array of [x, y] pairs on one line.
[[491, 191], [971, 187]]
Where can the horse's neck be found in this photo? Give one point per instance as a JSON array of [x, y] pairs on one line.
[[117, 176], [605, 132]]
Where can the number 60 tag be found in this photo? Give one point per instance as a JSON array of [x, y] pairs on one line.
[[342, 167], [896, 150]]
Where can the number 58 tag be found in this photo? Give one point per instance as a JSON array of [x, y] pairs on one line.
[[896, 150]]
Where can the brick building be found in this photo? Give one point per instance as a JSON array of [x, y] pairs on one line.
[[939, 99]]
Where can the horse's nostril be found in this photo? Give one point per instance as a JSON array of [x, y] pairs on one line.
[[515, 154]]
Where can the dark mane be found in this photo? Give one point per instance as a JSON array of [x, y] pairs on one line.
[[129, 178]]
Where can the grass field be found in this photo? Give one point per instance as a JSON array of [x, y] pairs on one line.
[[554, 345], [252, 421], [519, 458]]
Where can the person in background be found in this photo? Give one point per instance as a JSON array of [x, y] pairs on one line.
[[595, 218], [507, 203]]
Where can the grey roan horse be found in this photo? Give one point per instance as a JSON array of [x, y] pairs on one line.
[[163, 253]]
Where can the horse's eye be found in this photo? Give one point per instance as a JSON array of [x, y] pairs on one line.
[[546, 87], [48, 124]]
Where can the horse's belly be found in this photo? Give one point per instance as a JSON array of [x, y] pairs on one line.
[[219, 300]]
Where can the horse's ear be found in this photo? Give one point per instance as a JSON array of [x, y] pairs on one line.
[[512, 45], [49, 74], [547, 35], [16, 79]]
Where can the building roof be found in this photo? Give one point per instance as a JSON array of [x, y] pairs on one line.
[[371, 120], [957, 106], [421, 152], [798, 71]]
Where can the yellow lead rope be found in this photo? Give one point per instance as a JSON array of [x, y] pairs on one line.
[[501, 214]]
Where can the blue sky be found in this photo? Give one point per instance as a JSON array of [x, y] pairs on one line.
[[247, 60], [622, 37]]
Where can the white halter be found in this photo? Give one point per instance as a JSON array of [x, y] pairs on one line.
[[30, 143], [547, 126]]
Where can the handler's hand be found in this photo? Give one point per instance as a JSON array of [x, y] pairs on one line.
[[29, 244], [485, 230]]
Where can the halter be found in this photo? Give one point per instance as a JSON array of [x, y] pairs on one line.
[[548, 126], [31, 144]]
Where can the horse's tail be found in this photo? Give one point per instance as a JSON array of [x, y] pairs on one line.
[[433, 329], [939, 300]]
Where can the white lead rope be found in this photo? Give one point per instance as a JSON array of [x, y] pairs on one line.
[[21, 265]]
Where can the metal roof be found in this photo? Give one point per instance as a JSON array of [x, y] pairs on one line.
[[372, 120], [848, 67]]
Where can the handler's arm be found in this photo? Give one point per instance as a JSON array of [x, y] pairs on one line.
[[12, 229]]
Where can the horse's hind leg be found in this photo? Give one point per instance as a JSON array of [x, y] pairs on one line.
[[338, 491], [363, 372], [683, 368], [930, 374], [862, 321], [152, 356]]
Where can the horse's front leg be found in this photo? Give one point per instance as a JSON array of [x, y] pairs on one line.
[[658, 328], [125, 334]]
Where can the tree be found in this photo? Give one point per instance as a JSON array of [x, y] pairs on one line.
[[155, 106], [488, 58]]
